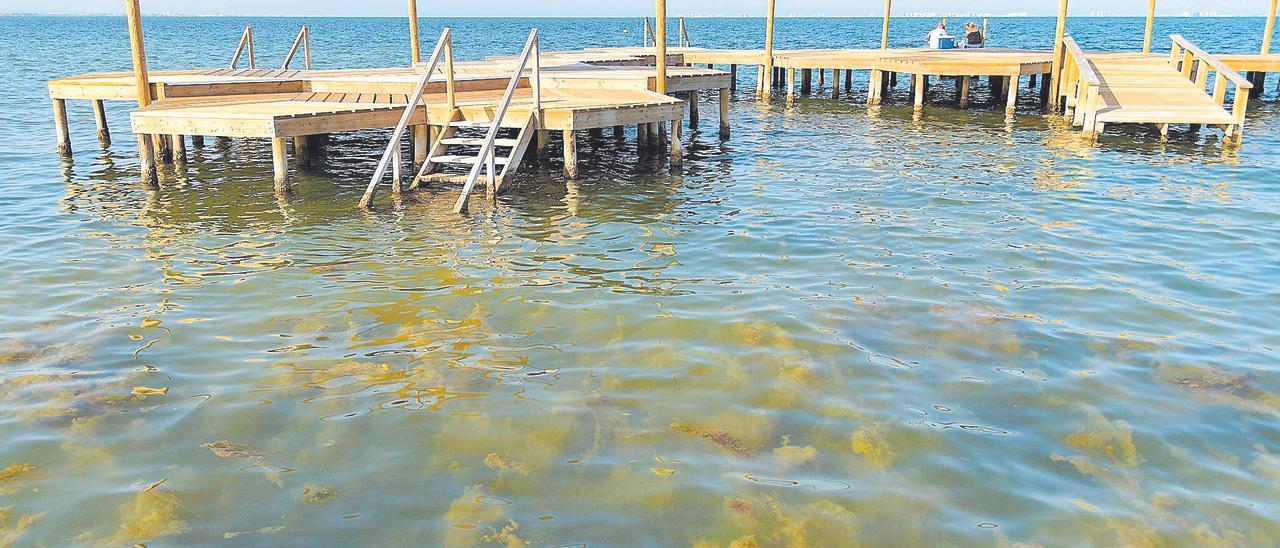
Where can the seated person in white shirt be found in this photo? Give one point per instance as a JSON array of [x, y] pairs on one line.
[[937, 33]]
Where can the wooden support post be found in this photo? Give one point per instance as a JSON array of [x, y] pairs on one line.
[[893, 79], [100, 118], [179, 143], [197, 141], [660, 130], [415, 53], [280, 163], [835, 83], [733, 78], [884, 31], [543, 138], [619, 132], [1045, 89], [760, 80], [768, 45], [642, 136], [964, 82], [918, 83], [60, 124], [1056, 70], [1270, 28], [692, 97], [660, 31], [1151, 21], [806, 81], [791, 84], [302, 150], [875, 87], [822, 79], [724, 114], [164, 152], [1033, 80], [571, 147], [397, 170], [142, 87], [1011, 104], [848, 80], [421, 146], [677, 151]]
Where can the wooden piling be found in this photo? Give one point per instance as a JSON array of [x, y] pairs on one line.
[[60, 124], [421, 145], [1011, 105], [822, 77], [791, 84], [197, 141], [848, 80], [179, 144], [571, 146], [1151, 20], [964, 82], [835, 83], [918, 84], [1270, 27], [677, 150], [733, 78], [415, 53], [642, 136], [806, 81], [100, 118], [302, 150], [142, 87], [692, 98], [768, 47], [280, 163], [164, 151], [1056, 70], [884, 31], [660, 24], [724, 114]]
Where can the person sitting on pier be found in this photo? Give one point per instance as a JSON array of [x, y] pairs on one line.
[[972, 36], [936, 35]]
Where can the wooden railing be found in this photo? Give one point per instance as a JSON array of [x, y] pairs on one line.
[[246, 40], [648, 34], [1080, 87], [1195, 64], [303, 40], [391, 156], [683, 39], [487, 153]]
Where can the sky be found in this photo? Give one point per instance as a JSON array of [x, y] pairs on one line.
[[597, 8]]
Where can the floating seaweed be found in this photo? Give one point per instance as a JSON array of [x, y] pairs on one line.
[[718, 437], [318, 494], [11, 530]]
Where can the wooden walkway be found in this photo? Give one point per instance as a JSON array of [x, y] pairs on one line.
[[1128, 88]]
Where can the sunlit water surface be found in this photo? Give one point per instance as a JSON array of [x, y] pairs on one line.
[[842, 325]]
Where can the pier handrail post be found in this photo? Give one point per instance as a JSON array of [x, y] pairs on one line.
[[1057, 51], [768, 51], [884, 28], [1151, 22], [253, 59], [306, 45], [142, 85], [244, 41], [537, 80], [415, 54], [450, 97], [1270, 27], [398, 133], [293, 50], [660, 42], [487, 151], [984, 31]]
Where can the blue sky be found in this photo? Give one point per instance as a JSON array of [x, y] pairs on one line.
[[598, 8]]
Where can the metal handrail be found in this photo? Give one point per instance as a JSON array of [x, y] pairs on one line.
[[246, 39], [486, 155], [304, 40], [443, 45]]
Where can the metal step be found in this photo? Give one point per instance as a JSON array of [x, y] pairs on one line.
[[478, 141], [466, 160]]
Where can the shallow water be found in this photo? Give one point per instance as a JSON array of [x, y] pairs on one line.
[[842, 325]]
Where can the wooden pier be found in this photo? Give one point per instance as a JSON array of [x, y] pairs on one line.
[[436, 106]]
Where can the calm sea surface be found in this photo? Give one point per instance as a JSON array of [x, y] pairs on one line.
[[841, 326]]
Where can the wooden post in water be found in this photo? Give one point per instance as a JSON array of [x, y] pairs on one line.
[[280, 164], [660, 42], [60, 123], [1270, 28], [724, 114], [768, 49], [100, 117], [884, 30], [1057, 53], [1151, 23], [571, 154], [416, 52], [142, 86]]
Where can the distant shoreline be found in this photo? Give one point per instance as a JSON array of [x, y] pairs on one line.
[[687, 16]]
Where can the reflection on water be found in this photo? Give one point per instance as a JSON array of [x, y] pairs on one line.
[[842, 325]]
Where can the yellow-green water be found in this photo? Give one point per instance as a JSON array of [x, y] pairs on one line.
[[841, 326]]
